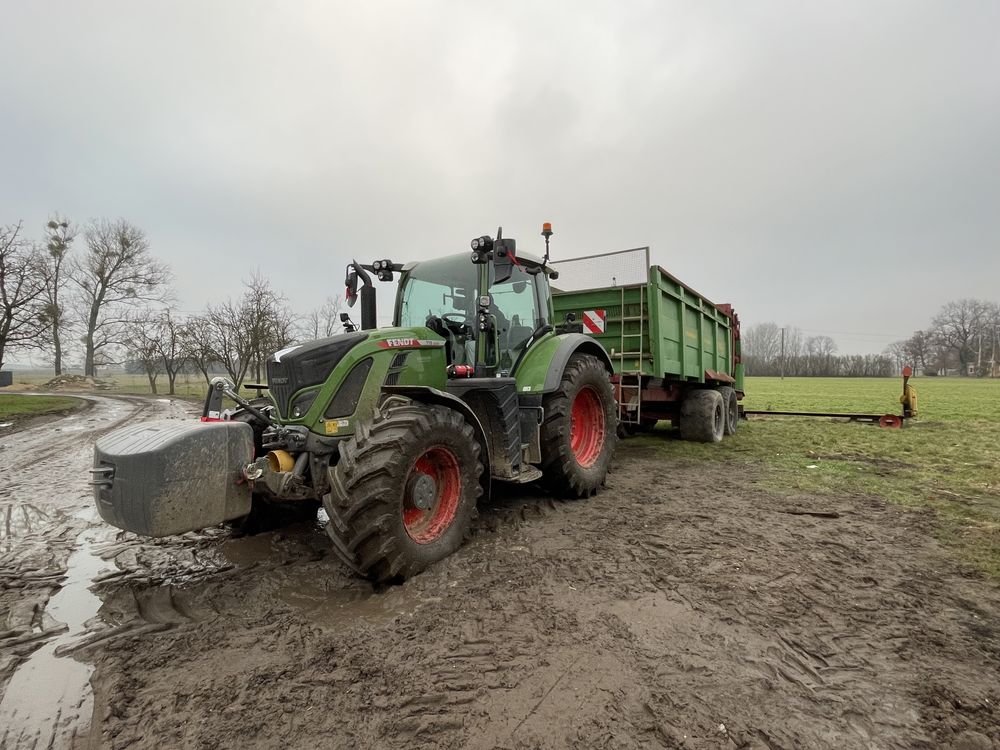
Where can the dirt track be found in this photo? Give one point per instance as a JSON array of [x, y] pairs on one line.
[[681, 607]]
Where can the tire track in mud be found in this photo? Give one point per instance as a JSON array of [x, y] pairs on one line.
[[46, 565], [676, 609]]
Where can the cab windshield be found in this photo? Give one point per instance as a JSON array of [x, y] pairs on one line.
[[442, 288], [442, 294]]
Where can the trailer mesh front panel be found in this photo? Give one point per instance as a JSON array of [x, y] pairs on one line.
[[617, 269]]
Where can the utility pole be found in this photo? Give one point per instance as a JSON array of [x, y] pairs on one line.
[[782, 353]]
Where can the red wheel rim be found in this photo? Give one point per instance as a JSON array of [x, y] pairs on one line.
[[435, 482], [890, 422], [586, 433]]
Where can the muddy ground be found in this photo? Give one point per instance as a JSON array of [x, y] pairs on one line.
[[683, 607]]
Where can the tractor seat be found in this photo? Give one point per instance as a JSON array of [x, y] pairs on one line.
[[517, 335]]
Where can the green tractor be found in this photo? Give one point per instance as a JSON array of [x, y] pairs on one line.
[[397, 431]]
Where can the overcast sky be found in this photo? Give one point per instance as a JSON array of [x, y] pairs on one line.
[[830, 166]]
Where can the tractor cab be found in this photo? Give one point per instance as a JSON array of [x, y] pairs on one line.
[[446, 294]]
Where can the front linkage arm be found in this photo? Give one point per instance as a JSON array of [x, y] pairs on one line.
[[219, 387]]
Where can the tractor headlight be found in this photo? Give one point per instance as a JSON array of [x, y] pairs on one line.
[[301, 404]]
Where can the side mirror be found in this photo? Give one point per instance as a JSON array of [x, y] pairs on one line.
[[503, 260], [351, 282]]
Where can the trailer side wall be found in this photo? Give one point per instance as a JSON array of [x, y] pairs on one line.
[[681, 333]]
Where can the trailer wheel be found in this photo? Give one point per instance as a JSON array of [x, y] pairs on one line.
[[579, 432], [732, 407], [403, 494], [703, 416]]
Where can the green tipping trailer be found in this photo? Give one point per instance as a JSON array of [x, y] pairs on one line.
[[676, 354]]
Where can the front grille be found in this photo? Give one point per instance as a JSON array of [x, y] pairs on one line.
[[280, 384]]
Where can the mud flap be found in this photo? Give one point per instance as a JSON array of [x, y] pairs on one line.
[[168, 477]]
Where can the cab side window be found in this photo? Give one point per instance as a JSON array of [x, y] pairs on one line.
[[515, 306]]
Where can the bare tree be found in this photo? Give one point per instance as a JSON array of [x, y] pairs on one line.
[[268, 320], [958, 326], [170, 347], [919, 350], [197, 338], [819, 351], [22, 293], [324, 321], [230, 340], [139, 336], [897, 353], [116, 273], [59, 236], [761, 346]]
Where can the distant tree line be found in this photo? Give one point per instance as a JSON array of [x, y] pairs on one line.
[[98, 293], [764, 353], [963, 339]]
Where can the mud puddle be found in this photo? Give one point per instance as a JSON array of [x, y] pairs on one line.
[[50, 537], [203, 575], [48, 700], [349, 606]]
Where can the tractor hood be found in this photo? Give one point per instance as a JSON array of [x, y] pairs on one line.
[[300, 366]]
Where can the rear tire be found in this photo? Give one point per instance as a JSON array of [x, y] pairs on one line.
[[703, 416], [579, 432], [403, 494], [732, 406]]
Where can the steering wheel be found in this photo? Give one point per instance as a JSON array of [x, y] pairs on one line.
[[457, 319]]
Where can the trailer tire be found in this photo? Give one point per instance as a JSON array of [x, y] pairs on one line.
[[703, 416], [579, 431], [403, 493], [732, 406]]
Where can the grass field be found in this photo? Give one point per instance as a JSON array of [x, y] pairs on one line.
[[191, 386], [14, 406], [947, 459]]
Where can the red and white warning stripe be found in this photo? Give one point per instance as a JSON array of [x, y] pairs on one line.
[[594, 321]]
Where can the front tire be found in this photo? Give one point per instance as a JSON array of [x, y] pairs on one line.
[[579, 432], [403, 494]]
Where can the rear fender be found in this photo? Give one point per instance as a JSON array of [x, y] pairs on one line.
[[541, 369]]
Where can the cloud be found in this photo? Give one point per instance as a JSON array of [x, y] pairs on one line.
[[829, 166]]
